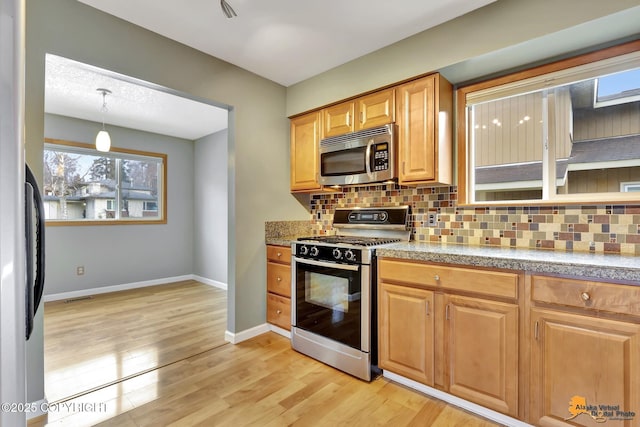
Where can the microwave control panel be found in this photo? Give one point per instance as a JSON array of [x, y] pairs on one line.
[[380, 157]]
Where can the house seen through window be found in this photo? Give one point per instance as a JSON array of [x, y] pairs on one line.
[[84, 185], [571, 134]]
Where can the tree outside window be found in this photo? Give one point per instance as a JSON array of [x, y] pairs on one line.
[[82, 185]]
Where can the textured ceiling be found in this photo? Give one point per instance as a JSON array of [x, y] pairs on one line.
[[70, 90]]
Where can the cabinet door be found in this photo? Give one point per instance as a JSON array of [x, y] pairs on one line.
[[580, 361], [481, 352], [377, 109], [416, 126], [305, 138], [406, 332], [424, 117], [339, 119]]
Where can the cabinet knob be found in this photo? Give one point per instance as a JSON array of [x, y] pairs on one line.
[[279, 279], [585, 296], [279, 254], [436, 277], [278, 311]]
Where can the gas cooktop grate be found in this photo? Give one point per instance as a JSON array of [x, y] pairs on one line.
[[349, 240]]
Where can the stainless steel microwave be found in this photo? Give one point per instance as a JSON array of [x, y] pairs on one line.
[[361, 157]]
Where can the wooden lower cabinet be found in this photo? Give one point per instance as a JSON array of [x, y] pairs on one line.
[[279, 286], [465, 345], [481, 352], [549, 350], [407, 332], [583, 360], [279, 311]]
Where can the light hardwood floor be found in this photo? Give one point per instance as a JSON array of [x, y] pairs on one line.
[[260, 382], [95, 341]]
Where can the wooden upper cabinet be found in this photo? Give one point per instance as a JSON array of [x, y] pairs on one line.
[[424, 118], [375, 109], [339, 119], [305, 140]]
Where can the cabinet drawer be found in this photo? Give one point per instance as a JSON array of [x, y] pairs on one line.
[[596, 296], [279, 311], [493, 283], [279, 254], [279, 279]]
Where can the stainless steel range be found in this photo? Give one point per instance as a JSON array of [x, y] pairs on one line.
[[333, 283]]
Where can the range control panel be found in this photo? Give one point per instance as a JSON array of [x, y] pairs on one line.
[[392, 217], [368, 217]]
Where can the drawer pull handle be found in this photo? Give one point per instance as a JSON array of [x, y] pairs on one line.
[[436, 277], [278, 311], [585, 296]]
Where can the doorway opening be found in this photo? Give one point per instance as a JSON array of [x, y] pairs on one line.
[[117, 300]]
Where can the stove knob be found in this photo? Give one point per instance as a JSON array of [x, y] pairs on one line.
[[349, 255], [314, 251], [337, 254], [304, 250]]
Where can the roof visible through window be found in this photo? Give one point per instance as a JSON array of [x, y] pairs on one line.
[[618, 88]]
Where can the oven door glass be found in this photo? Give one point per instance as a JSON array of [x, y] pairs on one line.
[[329, 300]]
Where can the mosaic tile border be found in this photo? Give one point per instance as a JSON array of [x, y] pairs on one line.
[[589, 228]]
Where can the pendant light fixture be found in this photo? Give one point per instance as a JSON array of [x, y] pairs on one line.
[[103, 140], [227, 9]]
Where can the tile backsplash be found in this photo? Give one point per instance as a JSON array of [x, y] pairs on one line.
[[592, 228]]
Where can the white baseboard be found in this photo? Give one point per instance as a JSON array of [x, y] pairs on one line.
[[115, 288], [278, 330], [210, 282], [456, 401], [246, 334], [39, 409]]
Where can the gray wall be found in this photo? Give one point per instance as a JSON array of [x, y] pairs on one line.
[[121, 254], [258, 137], [502, 35], [258, 177], [210, 210]]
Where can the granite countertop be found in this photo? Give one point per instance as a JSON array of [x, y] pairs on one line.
[[613, 267], [282, 240], [283, 233]]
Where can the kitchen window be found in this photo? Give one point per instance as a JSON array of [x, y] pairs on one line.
[[83, 186], [567, 132]]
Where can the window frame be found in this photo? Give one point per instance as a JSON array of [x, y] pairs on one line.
[[516, 80], [162, 194]]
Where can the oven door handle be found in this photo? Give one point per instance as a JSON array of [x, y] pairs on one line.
[[327, 264]]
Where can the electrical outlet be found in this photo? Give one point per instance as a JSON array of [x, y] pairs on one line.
[[432, 220], [80, 270]]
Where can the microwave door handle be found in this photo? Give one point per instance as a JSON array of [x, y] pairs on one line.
[[327, 264], [368, 160]]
